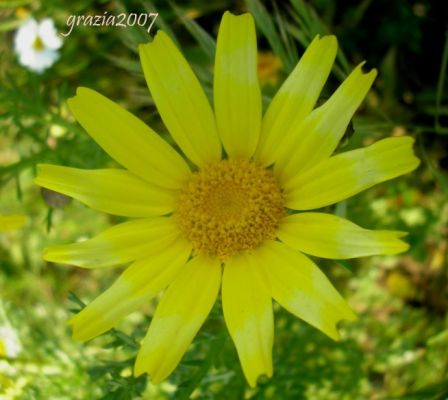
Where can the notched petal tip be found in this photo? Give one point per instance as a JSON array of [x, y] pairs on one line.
[[322, 47], [261, 378], [330, 40], [326, 43], [361, 67], [372, 74], [145, 49], [394, 244], [405, 247], [161, 36], [407, 143], [228, 14], [229, 19], [348, 316], [402, 247], [82, 90], [140, 369], [82, 93]]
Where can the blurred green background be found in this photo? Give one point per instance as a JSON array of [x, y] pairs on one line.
[[397, 349]]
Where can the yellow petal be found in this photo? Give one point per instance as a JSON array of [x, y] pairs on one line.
[[299, 286], [181, 312], [329, 236], [296, 98], [11, 222], [129, 241], [320, 133], [180, 99], [113, 191], [128, 140], [138, 284], [247, 308], [237, 96], [347, 174]]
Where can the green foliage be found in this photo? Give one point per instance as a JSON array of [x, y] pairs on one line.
[[397, 349]]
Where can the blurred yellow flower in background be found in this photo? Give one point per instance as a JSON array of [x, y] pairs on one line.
[[228, 219], [269, 67]]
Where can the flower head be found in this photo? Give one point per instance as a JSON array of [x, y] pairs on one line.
[[230, 221], [36, 44]]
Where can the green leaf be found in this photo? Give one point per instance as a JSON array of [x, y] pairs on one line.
[[160, 21], [188, 387], [13, 3], [310, 25], [75, 299], [437, 391], [9, 24], [345, 264], [204, 39], [266, 25], [123, 340]]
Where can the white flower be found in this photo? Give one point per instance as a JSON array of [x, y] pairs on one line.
[[9, 342], [36, 44]]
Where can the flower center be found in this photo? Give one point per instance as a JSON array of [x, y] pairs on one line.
[[38, 45], [230, 206]]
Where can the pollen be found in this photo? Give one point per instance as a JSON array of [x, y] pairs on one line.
[[38, 44], [229, 207]]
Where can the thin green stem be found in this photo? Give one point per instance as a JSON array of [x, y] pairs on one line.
[[440, 83]]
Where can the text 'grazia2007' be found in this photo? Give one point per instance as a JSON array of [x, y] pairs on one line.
[[121, 20]]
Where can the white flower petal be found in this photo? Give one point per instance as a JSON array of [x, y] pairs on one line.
[[25, 35], [49, 35]]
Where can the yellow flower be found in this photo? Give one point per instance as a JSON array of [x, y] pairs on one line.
[[223, 218], [11, 222], [269, 67]]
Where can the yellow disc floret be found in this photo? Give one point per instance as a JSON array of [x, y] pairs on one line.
[[230, 206], [38, 44]]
